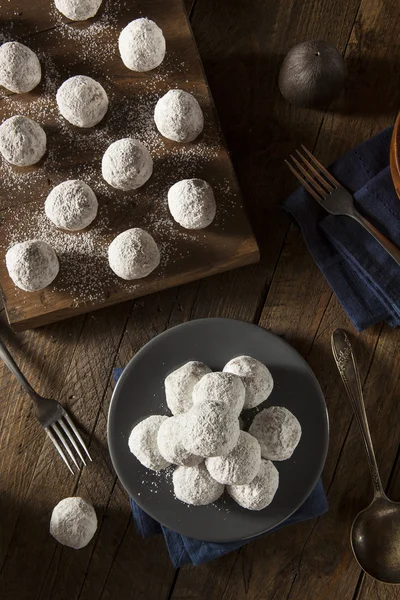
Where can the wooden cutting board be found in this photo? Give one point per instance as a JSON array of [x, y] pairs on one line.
[[85, 281]]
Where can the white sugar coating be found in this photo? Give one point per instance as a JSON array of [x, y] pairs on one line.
[[133, 254], [256, 377], [170, 445], [143, 443], [222, 388], [73, 522], [22, 141], [194, 485], [178, 116], [240, 466], [32, 265], [142, 45], [192, 203], [20, 69], [278, 432], [127, 164], [180, 383], [210, 429], [82, 101], [78, 10], [260, 492], [71, 205]]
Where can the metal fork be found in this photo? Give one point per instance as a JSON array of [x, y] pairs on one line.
[[332, 196], [52, 416]]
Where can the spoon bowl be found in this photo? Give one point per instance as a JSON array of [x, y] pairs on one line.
[[375, 539]]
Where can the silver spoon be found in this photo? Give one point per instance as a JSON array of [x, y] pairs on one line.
[[375, 533]]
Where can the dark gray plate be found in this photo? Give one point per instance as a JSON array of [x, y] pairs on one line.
[[140, 393]]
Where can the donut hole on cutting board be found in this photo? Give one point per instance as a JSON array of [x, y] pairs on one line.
[[75, 153]]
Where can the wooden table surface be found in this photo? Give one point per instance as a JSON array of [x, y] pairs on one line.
[[242, 45]]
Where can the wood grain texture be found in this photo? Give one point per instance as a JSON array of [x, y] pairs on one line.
[[297, 301], [286, 293], [92, 573], [185, 255]]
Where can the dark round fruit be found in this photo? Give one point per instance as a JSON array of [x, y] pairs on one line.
[[312, 74]]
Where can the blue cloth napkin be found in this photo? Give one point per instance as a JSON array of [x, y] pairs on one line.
[[184, 550], [363, 276]]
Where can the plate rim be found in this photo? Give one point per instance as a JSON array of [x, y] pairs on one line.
[[120, 383]]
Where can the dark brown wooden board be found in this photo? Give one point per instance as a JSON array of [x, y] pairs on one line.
[[74, 153]]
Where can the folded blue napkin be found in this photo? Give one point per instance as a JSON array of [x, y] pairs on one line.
[[184, 550], [363, 276]]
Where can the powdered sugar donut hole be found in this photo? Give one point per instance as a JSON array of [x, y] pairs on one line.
[[194, 485], [260, 492], [127, 164], [73, 522], [71, 205], [143, 443], [178, 116], [82, 101], [32, 265], [240, 466], [142, 45], [256, 377], [278, 432], [22, 141], [222, 388], [210, 430], [20, 69], [78, 10], [180, 383], [133, 254], [170, 445], [191, 203]]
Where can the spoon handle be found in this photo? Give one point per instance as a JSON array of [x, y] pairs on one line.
[[346, 364]]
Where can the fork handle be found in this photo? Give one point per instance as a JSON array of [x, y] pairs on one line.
[[12, 365], [383, 241]]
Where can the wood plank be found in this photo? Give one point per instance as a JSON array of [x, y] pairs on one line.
[[297, 299], [371, 27], [351, 489], [104, 571], [286, 304], [186, 255], [45, 360], [256, 572], [88, 375]]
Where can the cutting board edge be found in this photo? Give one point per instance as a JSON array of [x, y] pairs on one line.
[[23, 324]]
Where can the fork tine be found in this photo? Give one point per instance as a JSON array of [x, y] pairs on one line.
[[71, 439], [322, 168], [304, 182], [78, 435], [58, 447], [65, 443], [320, 178], [309, 177]]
